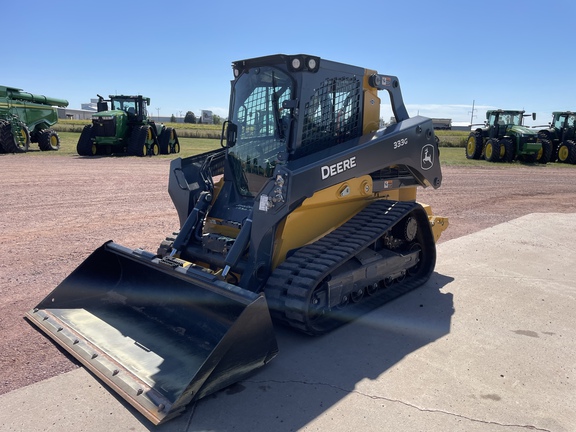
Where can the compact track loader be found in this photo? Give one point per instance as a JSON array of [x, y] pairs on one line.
[[307, 216]]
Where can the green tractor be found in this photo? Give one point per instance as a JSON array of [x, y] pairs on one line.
[[504, 138], [126, 128], [560, 136], [27, 118]]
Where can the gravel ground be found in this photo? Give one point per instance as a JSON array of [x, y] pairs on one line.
[[56, 210]]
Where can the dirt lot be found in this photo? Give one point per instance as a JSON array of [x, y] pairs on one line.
[[56, 210]]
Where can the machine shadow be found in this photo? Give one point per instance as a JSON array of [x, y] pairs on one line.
[[312, 374]]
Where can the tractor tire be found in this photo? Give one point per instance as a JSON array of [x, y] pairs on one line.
[[3, 124], [474, 145], [5, 137], [137, 144], [509, 149], [164, 140], [23, 143], [9, 142], [544, 134], [545, 154], [85, 146], [175, 146], [555, 144], [494, 151], [169, 141], [567, 152], [25, 136], [48, 140]]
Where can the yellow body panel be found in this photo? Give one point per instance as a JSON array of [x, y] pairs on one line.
[[371, 118], [438, 223], [328, 209], [216, 225], [318, 215]]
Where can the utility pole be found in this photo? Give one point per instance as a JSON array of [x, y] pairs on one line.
[[158, 116], [472, 114]]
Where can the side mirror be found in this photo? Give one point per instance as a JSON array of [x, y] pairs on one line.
[[533, 116], [231, 134]]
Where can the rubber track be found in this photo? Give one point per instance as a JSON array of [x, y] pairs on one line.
[[288, 288]]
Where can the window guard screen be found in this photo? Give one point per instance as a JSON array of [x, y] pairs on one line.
[[332, 115]]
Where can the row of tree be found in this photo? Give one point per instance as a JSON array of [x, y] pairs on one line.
[[190, 117]]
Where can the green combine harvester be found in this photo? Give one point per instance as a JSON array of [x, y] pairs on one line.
[[27, 118]]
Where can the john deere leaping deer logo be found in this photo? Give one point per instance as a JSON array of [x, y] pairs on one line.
[[427, 156]]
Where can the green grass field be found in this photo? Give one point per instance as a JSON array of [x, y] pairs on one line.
[[452, 150], [184, 130], [188, 146]]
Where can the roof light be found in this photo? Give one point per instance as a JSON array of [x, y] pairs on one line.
[[300, 63], [296, 63], [312, 63]]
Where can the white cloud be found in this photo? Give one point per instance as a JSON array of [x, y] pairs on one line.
[[219, 111], [460, 114]]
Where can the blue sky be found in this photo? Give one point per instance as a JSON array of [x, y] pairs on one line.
[[447, 54]]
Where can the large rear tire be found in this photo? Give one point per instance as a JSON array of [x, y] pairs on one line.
[[474, 145], [545, 153], [494, 150], [48, 140], [567, 152], [12, 143], [509, 149], [24, 142]]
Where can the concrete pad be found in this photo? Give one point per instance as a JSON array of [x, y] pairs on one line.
[[75, 401], [489, 343]]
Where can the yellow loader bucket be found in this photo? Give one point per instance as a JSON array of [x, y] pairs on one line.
[[159, 335]]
